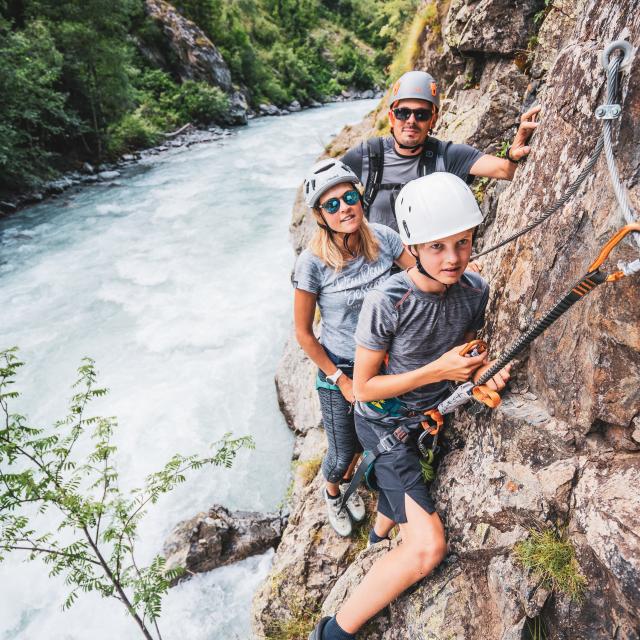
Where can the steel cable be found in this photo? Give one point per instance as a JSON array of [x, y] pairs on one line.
[[612, 90]]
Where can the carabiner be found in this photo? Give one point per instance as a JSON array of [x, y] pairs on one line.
[[606, 250]]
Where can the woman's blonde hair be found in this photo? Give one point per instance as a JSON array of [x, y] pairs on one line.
[[324, 246]]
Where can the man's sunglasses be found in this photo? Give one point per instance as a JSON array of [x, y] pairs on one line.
[[404, 113], [350, 197]]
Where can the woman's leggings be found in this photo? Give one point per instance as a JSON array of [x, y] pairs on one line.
[[339, 425]]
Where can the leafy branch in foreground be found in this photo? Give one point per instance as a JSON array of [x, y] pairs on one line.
[[92, 543]]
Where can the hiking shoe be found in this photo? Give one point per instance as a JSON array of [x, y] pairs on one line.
[[339, 520], [355, 505], [316, 634]]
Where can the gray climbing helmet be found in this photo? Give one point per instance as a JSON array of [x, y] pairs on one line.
[[324, 175], [416, 84]]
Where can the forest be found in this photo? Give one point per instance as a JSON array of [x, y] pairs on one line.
[[77, 83]]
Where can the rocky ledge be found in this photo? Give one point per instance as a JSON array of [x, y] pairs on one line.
[[562, 452]]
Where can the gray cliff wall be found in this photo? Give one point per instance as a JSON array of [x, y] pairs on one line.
[[563, 448]]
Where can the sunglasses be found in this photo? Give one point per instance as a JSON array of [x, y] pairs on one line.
[[350, 197], [404, 113]]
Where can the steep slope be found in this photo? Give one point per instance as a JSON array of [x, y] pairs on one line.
[[563, 449]]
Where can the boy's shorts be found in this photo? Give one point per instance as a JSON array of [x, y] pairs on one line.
[[397, 472]]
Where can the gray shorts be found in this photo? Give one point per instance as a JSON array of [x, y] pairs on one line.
[[397, 472]]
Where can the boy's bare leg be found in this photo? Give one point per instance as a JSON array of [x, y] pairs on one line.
[[383, 525], [423, 548]]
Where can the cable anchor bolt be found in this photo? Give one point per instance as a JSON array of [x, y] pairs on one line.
[[608, 111]]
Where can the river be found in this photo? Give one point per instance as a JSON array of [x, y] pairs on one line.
[[175, 279]]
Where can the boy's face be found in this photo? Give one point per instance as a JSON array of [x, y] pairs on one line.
[[447, 258]]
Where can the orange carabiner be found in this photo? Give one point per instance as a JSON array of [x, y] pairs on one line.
[[479, 346], [606, 250], [487, 396], [436, 416]]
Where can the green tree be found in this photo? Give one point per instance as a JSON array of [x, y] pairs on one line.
[[33, 111], [93, 544], [92, 36]]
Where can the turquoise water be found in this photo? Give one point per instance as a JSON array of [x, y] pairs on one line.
[[175, 279]]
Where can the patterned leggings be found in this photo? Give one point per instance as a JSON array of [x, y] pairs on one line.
[[339, 425]]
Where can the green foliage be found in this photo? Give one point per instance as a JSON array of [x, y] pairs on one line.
[[74, 84], [535, 629], [93, 545], [552, 558], [33, 113]]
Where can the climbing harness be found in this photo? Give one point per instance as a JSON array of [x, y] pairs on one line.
[[607, 113], [580, 289], [432, 420]]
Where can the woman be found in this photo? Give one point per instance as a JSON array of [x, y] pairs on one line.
[[409, 336], [345, 258]]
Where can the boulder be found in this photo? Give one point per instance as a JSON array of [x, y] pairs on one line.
[[108, 175], [196, 56], [294, 107], [220, 537]]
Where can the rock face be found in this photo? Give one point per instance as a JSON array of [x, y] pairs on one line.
[[563, 448], [220, 537], [197, 57]]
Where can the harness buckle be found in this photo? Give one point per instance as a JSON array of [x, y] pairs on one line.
[[388, 442]]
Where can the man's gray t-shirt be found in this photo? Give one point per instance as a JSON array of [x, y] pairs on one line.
[[340, 293], [399, 169], [416, 328]]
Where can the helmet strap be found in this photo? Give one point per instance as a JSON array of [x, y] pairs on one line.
[[422, 270], [332, 233], [406, 146]]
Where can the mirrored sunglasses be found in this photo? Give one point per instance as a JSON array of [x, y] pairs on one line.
[[350, 198]]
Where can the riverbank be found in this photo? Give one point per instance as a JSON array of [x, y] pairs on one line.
[[187, 136]]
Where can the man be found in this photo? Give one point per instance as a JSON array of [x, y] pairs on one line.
[[387, 164]]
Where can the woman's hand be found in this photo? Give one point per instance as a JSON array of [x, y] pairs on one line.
[[452, 366], [345, 384], [499, 381]]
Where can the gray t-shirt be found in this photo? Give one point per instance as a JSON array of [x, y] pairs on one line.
[[340, 293], [400, 169], [416, 328]]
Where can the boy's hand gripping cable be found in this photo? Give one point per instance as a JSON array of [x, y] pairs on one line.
[[580, 289]]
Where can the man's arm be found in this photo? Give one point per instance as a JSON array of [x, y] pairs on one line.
[[501, 168]]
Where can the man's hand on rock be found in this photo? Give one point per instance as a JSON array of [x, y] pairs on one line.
[[519, 148]]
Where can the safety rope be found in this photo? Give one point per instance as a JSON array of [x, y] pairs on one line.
[[607, 113]]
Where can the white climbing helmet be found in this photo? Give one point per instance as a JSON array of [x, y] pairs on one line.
[[416, 84], [435, 206], [326, 174]]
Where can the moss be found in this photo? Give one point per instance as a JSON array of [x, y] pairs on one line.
[[551, 557], [535, 629], [303, 618], [407, 55], [308, 469]]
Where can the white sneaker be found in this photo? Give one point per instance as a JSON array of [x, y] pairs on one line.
[[339, 520], [355, 505]]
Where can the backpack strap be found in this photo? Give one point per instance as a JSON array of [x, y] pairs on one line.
[[375, 148], [429, 157]]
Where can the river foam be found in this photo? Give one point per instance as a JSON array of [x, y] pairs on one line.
[[176, 281]]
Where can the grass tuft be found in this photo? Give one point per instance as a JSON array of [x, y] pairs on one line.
[[304, 616], [406, 57], [552, 558], [308, 469]]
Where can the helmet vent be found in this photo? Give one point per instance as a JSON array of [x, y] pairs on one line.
[[329, 166], [406, 228]]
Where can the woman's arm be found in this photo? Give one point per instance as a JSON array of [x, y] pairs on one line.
[[405, 260], [304, 308], [369, 385]]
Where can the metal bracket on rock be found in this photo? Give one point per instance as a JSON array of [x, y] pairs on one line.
[[608, 112]]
